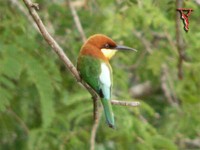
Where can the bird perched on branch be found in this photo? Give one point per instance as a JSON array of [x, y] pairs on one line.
[[94, 68]]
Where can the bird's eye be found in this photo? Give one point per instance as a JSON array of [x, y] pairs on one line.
[[106, 45]]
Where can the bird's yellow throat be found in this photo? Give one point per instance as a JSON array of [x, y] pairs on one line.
[[108, 53]]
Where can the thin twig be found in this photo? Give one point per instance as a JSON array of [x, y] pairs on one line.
[[19, 120], [147, 46], [190, 143], [77, 21], [179, 40], [94, 130], [139, 60], [21, 8], [171, 86], [164, 86], [168, 92], [95, 108], [86, 4], [125, 103], [145, 42], [171, 41]]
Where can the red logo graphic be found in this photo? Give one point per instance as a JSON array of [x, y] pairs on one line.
[[185, 13]]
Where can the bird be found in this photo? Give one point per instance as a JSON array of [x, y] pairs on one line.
[[94, 69]]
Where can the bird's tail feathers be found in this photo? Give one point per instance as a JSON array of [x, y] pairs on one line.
[[108, 112]]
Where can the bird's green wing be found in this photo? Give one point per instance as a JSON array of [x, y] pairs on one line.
[[90, 69]]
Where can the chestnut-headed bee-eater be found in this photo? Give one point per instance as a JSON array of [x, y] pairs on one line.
[[94, 68]]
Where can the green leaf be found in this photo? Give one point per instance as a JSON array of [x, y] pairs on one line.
[[5, 97], [155, 62], [39, 76]]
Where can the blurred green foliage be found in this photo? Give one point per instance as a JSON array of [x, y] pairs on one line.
[[42, 106]]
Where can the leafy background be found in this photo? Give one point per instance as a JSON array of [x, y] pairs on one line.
[[43, 107]]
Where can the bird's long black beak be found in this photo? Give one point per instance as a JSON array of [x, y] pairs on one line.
[[121, 47]]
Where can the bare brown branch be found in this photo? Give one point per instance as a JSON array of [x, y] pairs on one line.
[[171, 41], [95, 108], [179, 40], [19, 120], [167, 87], [146, 43], [77, 21], [21, 8], [147, 46], [94, 130], [125, 103], [191, 143], [164, 85]]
